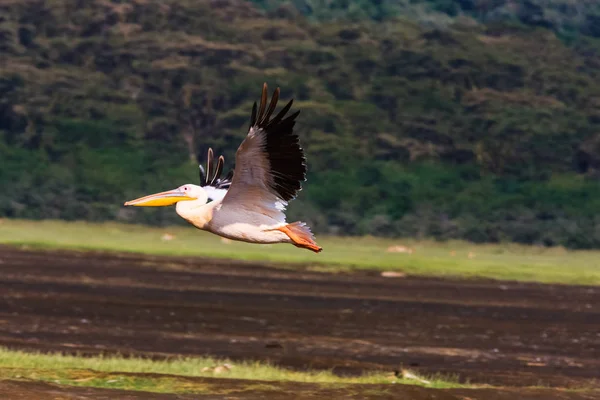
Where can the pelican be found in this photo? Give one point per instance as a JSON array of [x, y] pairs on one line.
[[249, 204]]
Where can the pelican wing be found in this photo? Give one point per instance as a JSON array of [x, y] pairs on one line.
[[270, 164], [211, 181]]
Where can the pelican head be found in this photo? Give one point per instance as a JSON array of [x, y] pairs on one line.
[[187, 192]]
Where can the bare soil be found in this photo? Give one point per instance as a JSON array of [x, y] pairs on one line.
[[231, 389], [499, 333]]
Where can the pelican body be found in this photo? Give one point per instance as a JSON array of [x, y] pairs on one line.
[[249, 203]]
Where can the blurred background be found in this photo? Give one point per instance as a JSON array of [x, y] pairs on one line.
[[447, 119]]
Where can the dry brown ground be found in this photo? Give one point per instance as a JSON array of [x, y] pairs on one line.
[[235, 389], [499, 333]]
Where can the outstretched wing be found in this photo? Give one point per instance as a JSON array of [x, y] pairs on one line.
[[269, 164], [211, 181]]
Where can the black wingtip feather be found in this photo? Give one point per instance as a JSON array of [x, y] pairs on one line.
[[263, 103], [286, 157], [210, 178], [202, 175], [209, 165], [218, 170], [271, 108]]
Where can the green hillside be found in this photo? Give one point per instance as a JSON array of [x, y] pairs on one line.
[[474, 129], [568, 18]]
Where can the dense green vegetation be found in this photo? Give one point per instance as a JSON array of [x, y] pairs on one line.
[[447, 123], [567, 18]]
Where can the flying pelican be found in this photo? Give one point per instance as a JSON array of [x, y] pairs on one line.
[[249, 205]]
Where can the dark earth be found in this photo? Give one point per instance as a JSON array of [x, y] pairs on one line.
[[504, 334]]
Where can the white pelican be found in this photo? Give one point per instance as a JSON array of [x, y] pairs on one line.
[[270, 166]]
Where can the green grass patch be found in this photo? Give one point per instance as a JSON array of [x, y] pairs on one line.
[[429, 258], [173, 375]]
